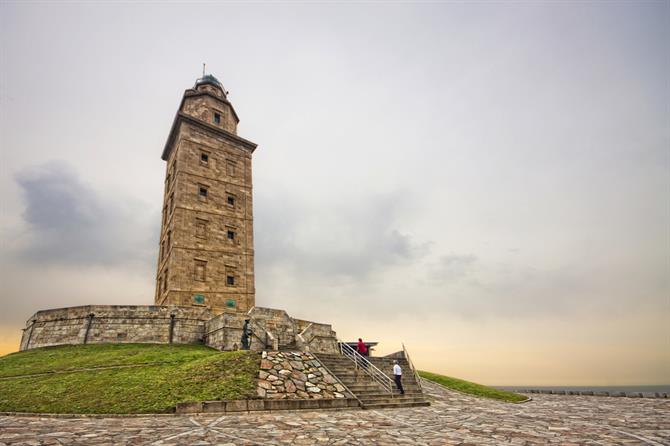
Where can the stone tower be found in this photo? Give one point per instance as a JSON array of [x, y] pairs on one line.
[[206, 255]]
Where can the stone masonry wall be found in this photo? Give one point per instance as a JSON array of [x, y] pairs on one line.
[[190, 324], [196, 255], [297, 375], [94, 324], [224, 332], [271, 329], [315, 337]]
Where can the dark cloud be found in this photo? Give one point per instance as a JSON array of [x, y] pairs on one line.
[[68, 223]]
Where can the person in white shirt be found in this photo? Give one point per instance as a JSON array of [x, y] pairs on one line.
[[397, 374]]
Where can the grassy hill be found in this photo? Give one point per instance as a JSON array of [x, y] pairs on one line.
[[122, 378], [472, 388], [144, 378]]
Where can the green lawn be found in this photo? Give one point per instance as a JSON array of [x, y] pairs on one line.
[[68, 357], [472, 388], [193, 373]]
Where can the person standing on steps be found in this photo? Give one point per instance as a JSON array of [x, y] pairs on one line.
[[397, 374], [362, 350]]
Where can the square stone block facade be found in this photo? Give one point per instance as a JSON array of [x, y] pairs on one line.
[[206, 256]]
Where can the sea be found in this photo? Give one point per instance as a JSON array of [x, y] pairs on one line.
[[663, 388]]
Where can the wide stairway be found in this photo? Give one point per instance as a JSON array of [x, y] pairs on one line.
[[371, 394]]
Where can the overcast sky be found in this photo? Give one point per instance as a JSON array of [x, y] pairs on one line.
[[488, 183]]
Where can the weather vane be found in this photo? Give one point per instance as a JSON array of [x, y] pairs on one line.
[[203, 69]]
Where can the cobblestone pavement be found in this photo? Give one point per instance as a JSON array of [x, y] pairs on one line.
[[453, 419]]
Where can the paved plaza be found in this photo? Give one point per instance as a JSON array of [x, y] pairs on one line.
[[452, 419]]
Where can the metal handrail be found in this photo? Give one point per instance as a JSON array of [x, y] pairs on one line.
[[369, 368], [417, 378]]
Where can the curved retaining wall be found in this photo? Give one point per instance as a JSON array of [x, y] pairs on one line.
[[96, 324]]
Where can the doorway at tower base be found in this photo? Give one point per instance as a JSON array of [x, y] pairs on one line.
[[270, 329]]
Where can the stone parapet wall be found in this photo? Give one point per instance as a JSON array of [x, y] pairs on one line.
[[598, 393], [224, 332], [95, 324], [297, 375], [260, 405], [315, 337]]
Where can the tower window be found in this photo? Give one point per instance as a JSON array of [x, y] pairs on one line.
[[202, 191], [200, 270], [217, 118], [230, 280], [165, 281], [231, 200], [231, 168], [200, 228], [231, 235], [204, 158]]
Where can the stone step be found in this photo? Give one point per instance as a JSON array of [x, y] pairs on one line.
[[397, 400], [342, 368], [372, 394], [395, 405], [360, 385], [379, 394], [376, 363]]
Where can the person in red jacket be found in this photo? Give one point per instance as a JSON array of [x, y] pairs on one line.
[[362, 349]]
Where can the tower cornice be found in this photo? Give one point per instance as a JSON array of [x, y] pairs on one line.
[[183, 117]]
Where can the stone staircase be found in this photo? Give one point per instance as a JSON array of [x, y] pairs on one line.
[[370, 393]]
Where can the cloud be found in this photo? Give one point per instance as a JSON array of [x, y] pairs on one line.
[[452, 267], [69, 223], [334, 240]]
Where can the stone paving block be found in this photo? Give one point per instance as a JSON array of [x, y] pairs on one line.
[[338, 403], [236, 406], [254, 405], [189, 407], [308, 404], [213, 406]]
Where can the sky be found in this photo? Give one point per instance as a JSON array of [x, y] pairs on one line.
[[486, 182]]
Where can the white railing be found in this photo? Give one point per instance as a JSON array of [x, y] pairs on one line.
[[417, 378], [362, 363]]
